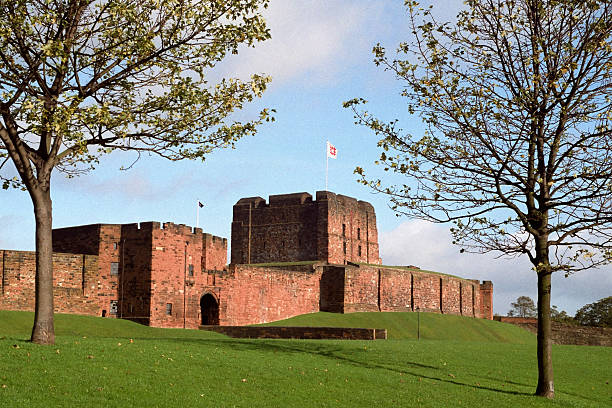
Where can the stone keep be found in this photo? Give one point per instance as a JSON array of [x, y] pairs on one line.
[[293, 227]]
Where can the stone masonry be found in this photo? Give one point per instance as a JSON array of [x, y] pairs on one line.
[[294, 227], [291, 256]]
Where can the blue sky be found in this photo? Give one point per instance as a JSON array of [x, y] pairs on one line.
[[318, 57]]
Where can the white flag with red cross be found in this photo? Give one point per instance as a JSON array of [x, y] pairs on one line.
[[332, 151]]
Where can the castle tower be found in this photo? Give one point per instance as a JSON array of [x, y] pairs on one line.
[[150, 272], [294, 227]]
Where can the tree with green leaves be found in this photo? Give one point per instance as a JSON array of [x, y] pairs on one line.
[[596, 314], [523, 307], [82, 78], [515, 97], [561, 316]]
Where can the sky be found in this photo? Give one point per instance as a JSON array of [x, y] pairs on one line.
[[319, 56]]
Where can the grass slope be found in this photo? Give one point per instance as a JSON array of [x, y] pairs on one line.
[[95, 364], [18, 324], [404, 326]]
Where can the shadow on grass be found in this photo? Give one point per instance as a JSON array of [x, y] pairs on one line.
[[328, 350]]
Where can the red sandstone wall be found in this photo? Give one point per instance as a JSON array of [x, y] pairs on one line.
[[361, 290], [467, 299], [486, 300], [103, 240], [248, 294], [368, 288], [175, 248], [153, 265], [166, 264], [275, 332], [84, 239], [351, 230], [18, 270], [451, 295], [281, 231], [426, 291], [251, 294], [395, 290], [332, 289], [214, 253], [293, 227], [107, 285], [154, 271], [134, 291]]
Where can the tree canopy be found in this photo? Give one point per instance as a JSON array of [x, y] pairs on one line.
[[596, 314], [81, 78], [516, 101], [522, 307]]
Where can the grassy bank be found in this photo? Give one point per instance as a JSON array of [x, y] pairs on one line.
[[105, 362], [401, 326]]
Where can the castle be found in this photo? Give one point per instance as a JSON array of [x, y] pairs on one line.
[[291, 255]]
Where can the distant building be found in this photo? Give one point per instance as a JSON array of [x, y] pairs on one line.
[[290, 256]]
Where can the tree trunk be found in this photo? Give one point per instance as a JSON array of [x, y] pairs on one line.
[[546, 387], [43, 331]]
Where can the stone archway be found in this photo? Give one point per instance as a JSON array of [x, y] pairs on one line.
[[209, 309]]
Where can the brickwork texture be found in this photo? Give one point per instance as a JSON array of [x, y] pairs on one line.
[[291, 255]]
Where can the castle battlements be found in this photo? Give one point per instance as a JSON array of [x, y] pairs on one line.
[[290, 255], [293, 227]]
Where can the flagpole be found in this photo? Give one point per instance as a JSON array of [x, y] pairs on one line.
[[197, 213], [326, 162]]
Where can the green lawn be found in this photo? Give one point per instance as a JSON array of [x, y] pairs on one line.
[[94, 363], [403, 326]]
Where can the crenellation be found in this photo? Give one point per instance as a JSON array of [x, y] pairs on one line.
[[150, 226], [291, 255], [281, 200], [333, 228]]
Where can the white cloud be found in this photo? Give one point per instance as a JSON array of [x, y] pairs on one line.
[[313, 39], [429, 246]]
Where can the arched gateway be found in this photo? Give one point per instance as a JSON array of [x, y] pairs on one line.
[[210, 310]]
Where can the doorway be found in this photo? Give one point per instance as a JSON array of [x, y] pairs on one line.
[[209, 310]]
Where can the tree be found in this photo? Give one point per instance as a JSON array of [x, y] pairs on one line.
[[81, 78], [515, 97], [596, 314], [561, 316], [523, 307]]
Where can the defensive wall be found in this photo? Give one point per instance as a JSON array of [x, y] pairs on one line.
[[70, 274], [243, 294], [563, 333], [151, 273], [247, 294], [279, 332], [170, 275]]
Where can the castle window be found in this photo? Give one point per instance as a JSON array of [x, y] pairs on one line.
[[114, 245], [169, 309], [190, 269], [114, 306], [358, 233], [114, 268], [344, 247], [359, 250], [344, 230]]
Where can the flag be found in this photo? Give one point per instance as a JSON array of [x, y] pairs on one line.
[[331, 151], [200, 204]]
